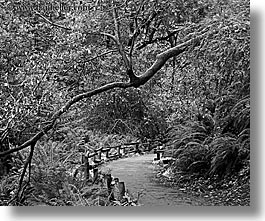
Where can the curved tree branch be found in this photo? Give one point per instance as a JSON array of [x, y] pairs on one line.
[[162, 58], [56, 116], [52, 23]]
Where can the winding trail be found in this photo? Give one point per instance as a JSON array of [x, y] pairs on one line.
[[138, 173]]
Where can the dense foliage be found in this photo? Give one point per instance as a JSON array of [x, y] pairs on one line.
[[59, 68]]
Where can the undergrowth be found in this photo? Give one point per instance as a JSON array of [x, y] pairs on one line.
[[57, 175], [213, 154]]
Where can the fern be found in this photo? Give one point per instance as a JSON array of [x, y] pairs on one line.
[[224, 152]]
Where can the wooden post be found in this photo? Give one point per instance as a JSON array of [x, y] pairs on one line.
[[119, 151], [99, 154], [145, 146], [107, 154], [87, 167], [108, 181], [95, 172], [122, 150], [158, 155], [109, 187], [95, 156], [115, 189], [83, 159], [121, 187], [148, 146], [137, 148]]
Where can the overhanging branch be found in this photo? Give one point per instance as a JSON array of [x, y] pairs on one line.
[[162, 58], [66, 107]]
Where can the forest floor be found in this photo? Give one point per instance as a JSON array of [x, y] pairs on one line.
[[231, 191], [146, 180]]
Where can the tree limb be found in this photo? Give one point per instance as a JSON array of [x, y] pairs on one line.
[[100, 55], [127, 62], [116, 39], [27, 164], [151, 40], [162, 58], [52, 23], [56, 116]]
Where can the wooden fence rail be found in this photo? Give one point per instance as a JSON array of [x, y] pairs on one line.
[[91, 160]]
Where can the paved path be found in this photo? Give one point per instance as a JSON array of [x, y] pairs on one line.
[[138, 174]]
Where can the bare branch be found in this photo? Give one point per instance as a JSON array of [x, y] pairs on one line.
[[52, 23], [151, 40], [108, 35], [29, 142], [27, 164], [56, 116], [163, 57], [127, 62], [100, 55]]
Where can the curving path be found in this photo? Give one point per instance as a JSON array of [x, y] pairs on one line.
[[138, 174]]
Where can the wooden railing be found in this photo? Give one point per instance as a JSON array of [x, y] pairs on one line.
[[91, 160]]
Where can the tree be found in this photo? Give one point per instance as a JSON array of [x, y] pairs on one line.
[[117, 38], [57, 61]]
